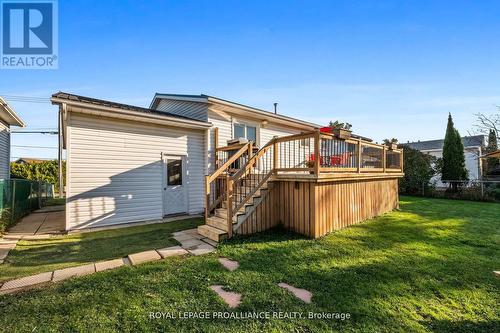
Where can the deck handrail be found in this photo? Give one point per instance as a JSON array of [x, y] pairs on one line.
[[352, 155]]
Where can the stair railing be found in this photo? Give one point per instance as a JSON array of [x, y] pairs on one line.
[[214, 192]]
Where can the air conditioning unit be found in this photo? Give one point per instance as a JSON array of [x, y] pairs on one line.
[[236, 141]]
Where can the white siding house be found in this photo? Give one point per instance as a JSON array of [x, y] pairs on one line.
[[128, 164], [7, 118], [473, 149]]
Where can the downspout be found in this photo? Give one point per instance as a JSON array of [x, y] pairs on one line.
[[59, 149]]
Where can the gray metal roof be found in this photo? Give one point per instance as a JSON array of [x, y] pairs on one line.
[[204, 98], [101, 102], [468, 141]]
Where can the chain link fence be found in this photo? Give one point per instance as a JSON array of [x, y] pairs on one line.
[[477, 190], [19, 197]]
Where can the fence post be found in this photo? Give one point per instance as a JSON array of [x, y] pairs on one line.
[[39, 194], [13, 193]]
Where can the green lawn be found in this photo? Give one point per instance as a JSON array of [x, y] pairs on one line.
[[31, 257], [426, 268]]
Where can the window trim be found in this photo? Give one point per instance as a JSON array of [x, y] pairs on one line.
[[246, 124]]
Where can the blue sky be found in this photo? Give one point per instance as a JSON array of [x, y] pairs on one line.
[[391, 68]]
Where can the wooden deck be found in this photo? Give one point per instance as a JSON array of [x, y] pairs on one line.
[[312, 183]]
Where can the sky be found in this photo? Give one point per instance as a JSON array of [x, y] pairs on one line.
[[390, 68]]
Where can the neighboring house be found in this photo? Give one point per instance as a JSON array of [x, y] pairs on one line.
[[29, 160], [473, 149], [7, 118], [114, 149]]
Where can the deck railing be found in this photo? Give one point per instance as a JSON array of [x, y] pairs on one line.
[[316, 152], [242, 172]]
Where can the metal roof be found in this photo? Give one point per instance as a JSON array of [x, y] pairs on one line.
[[101, 102], [206, 98]]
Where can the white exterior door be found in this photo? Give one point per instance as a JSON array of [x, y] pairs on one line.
[[175, 185]]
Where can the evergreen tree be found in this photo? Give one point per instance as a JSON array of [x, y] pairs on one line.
[[493, 162], [453, 156]]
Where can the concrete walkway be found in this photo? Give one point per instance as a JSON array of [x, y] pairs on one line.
[[42, 223], [45, 221], [191, 243]]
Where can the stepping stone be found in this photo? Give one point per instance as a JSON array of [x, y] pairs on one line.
[[194, 233], [109, 264], [142, 257], [209, 241], [301, 294], [203, 248], [183, 237], [230, 265], [172, 251], [12, 237], [230, 298], [192, 243], [5, 249], [66, 273], [8, 241], [26, 282]]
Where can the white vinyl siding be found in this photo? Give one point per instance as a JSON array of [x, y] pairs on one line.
[[115, 169], [224, 121], [194, 110], [4, 151]]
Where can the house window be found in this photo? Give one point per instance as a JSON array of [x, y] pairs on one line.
[[174, 172], [245, 131]]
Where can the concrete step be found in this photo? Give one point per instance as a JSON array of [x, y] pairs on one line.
[[212, 233], [217, 222]]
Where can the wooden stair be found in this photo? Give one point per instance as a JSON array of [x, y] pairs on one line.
[[215, 227], [246, 188]]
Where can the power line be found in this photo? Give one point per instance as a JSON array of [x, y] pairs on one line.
[[36, 132], [44, 147]]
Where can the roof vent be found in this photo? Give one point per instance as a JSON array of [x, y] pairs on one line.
[[275, 108]]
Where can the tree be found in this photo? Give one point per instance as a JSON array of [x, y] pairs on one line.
[[339, 125], [453, 156], [484, 123], [46, 171], [418, 169], [492, 162]]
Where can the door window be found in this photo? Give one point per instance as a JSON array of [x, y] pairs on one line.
[[174, 172]]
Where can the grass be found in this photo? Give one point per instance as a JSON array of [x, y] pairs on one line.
[[425, 268], [31, 257]]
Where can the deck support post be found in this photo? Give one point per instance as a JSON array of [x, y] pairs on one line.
[[216, 158], [250, 150], [359, 156], [384, 157], [216, 145], [207, 196], [317, 145], [229, 205]]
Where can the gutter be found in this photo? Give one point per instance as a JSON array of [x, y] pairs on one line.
[[17, 120], [100, 110]]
